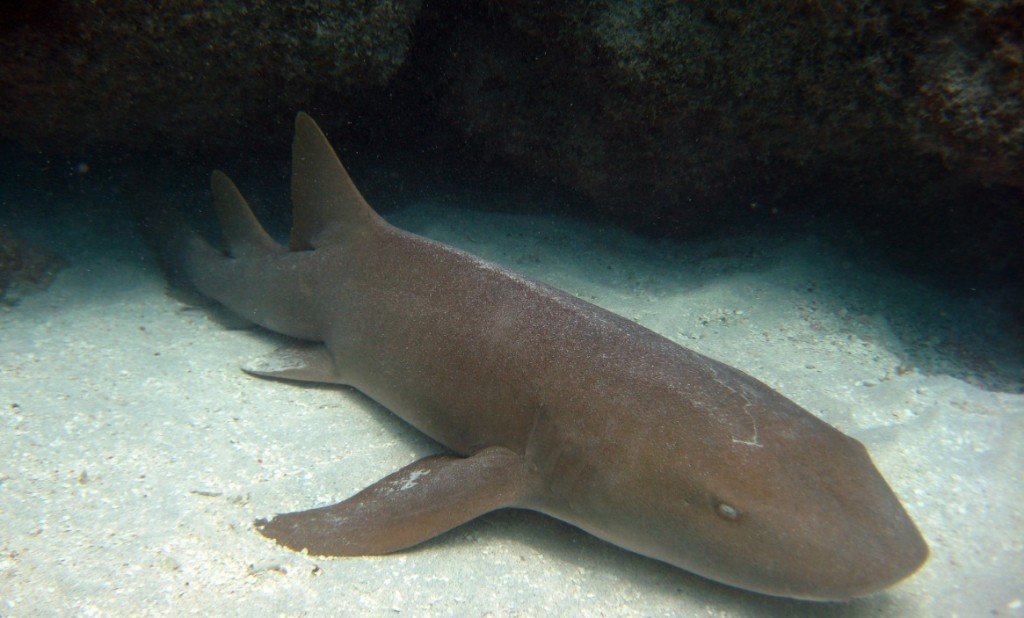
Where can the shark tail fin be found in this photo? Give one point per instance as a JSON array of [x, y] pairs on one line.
[[243, 234], [326, 202]]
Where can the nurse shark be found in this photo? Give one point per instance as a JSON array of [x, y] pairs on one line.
[[547, 403]]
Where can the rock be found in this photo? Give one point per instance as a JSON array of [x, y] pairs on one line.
[[695, 107], [80, 74], [673, 116], [24, 268]]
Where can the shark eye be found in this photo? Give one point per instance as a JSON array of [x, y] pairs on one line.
[[727, 511]]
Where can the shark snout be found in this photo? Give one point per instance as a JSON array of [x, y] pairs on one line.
[[826, 556], [857, 541], [881, 548], [860, 565]]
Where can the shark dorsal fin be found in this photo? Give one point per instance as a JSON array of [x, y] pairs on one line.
[[244, 235], [326, 202]]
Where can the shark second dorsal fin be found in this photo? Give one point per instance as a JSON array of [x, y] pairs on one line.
[[326, 202], [244, 235]]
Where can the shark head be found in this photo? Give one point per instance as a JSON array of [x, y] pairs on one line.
[[802, 516], [749, 490]]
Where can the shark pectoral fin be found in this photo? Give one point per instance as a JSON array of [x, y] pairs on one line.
[[304, 362], [417, 503]]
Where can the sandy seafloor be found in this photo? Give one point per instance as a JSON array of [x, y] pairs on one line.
[[135, 454]]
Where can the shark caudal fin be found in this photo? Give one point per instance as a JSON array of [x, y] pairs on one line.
[[243, 234], [327, 205]]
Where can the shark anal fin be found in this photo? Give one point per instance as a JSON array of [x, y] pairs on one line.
[[303, 362], [419, 502]]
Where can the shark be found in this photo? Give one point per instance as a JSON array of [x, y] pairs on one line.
[[545, 402]]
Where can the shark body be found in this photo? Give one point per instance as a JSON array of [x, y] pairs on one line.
[[548, 402]]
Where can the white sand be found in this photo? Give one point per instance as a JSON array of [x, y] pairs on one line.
[[136, 455]]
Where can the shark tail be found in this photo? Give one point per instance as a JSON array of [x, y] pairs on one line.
[[166, 231], [328, 208]]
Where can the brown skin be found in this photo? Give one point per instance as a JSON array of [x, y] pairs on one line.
[[551, 403]]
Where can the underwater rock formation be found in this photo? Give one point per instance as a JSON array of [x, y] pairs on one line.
[[79, 73], [969, 104], [24, 268], [741, 105], [673, 116]]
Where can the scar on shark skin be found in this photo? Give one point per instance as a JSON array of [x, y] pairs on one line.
[[546, 401], [410, 482], [753, 440]]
